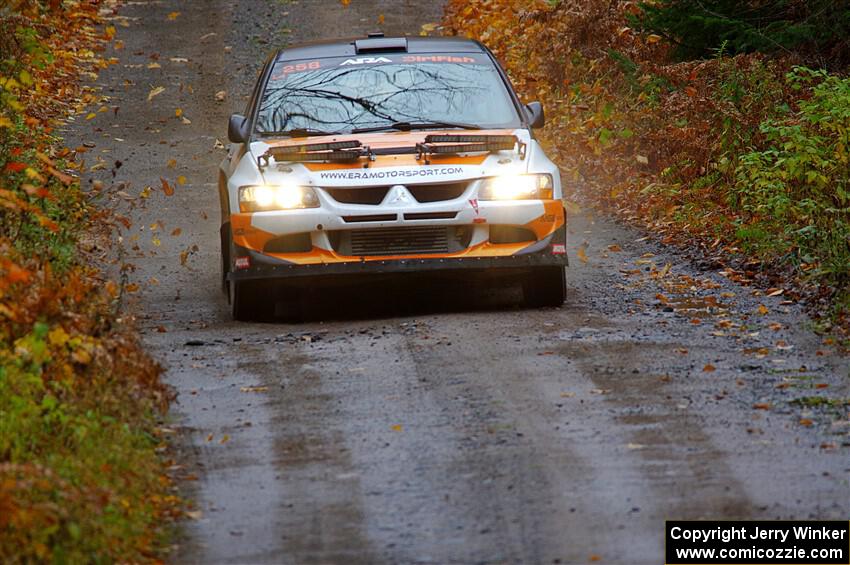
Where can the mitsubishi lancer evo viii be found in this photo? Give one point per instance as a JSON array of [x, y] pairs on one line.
[[387, 155]]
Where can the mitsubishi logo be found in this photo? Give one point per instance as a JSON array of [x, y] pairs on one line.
[[399, 196]]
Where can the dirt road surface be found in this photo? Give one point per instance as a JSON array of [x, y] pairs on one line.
[[432, 422]]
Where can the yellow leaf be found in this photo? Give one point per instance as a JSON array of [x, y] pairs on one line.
[[91, 116], [652, 38], [396, 428], [58, 337], [155, 92], [224, 439], [345, 3], [173, 16], [5, 122], [763, 309], [110, 32], [381, 19], [156, 241], [172, 163], [178, 112], [181, 180], [131, 287]]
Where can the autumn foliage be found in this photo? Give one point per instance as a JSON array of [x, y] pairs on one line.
[[81, 479], [743, 157]]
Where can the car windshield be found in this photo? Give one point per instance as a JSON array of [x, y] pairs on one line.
[[340, 95]]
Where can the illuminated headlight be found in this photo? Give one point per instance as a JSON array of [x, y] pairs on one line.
[[517, 187], [256, 198]]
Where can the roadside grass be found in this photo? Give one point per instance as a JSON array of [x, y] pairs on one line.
[[82, 471], [744, 157]]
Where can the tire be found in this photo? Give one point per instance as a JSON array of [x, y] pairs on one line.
[[224, 236], [545, 286], [246, 302]]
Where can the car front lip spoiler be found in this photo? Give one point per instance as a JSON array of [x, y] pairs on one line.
[[288, 270]]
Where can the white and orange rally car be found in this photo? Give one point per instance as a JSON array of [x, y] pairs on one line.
[[386, 155]]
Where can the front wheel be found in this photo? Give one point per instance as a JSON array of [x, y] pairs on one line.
[[545, 286]]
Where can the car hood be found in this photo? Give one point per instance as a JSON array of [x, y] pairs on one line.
[[393, 169]]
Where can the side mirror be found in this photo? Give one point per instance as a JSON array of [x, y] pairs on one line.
[[536, 117], [237, 129]]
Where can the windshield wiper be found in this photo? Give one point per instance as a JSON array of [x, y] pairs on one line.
[[299, 132], [407, 126]]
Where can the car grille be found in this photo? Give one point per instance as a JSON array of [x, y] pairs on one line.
[[437, 192], [424, 240], [366, 195], [374, 195], [399, 241]]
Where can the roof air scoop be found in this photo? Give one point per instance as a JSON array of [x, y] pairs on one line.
[[381, 44]]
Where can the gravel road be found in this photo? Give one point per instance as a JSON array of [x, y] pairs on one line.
[[425, 420]]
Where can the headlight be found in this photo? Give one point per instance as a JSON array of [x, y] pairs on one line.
[[255, 198], [517, 187]]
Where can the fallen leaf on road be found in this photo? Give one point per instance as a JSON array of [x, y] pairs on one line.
[[176, 231], [131, 287], [155, 92], [615, 248], [708, 368], [173, 16], [225, 438], [181, 180], [582, 256], [806, 422], [761, 406], [166, 188], [396, 428], [600, 391], [253, 389], [220, 95], [762, 309], [194, 514]]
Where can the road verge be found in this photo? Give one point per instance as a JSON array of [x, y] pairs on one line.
[[82, 475]]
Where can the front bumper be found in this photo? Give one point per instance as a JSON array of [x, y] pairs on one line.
[[550, 252]]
